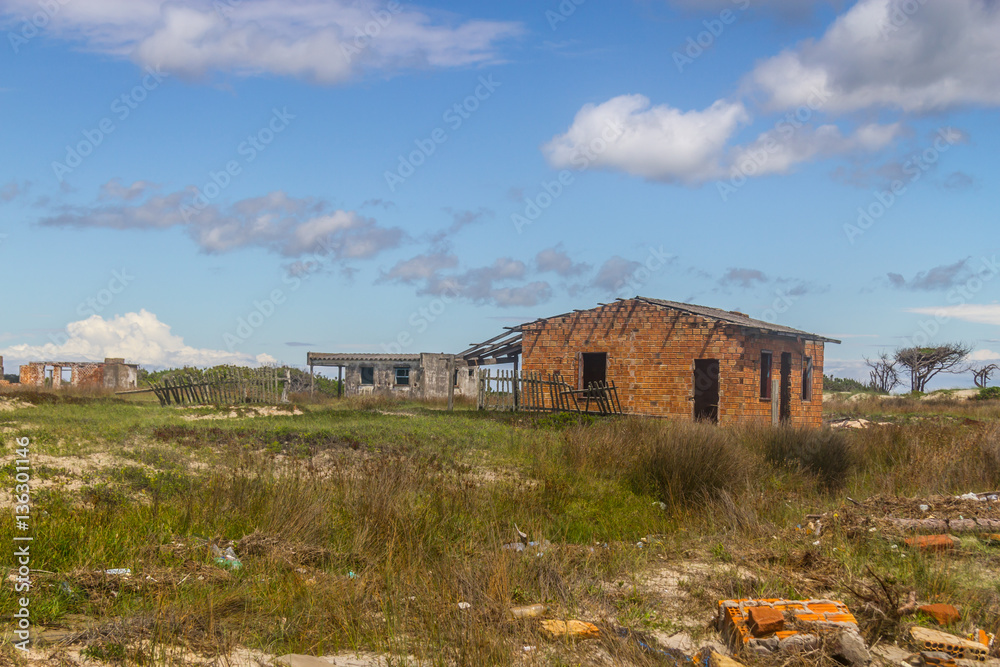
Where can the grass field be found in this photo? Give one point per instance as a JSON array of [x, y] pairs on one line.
[[362, 525]]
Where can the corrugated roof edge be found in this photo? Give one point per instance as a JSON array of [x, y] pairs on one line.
[[728, 316]]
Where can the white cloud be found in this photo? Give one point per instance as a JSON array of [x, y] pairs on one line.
[[984, 355], [967, 312], [140, 338], [556, 260], [659, 143], [664, 144], [320, 40], [615, 274], [915, 56], [289, 226]]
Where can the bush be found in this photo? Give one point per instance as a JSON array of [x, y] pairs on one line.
[[824, 453], [678, 462], [988, 393]]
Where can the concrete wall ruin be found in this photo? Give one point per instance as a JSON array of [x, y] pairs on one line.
[[111, 374], [420, 376]]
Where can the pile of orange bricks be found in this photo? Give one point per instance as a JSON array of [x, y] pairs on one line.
[[761, 623]]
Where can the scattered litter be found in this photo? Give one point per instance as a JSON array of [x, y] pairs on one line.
[[119, 572], [925, 508], [577, 629], [930, 659], [513, 546], [933, 542], [970, 496], [662, 505], [528, 649], [956, 647], [943, 614], [464, 605], [528, 611], [227, 558]]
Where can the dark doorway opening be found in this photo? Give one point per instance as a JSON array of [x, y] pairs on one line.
[[785, 408], [706, 389], [594, 368]]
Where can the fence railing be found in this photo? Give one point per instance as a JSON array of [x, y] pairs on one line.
[[223, 386], [533, 391]]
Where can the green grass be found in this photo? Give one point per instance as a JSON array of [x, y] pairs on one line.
[[363, 524]]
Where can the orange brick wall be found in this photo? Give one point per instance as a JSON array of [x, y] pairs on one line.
[[651, 352]]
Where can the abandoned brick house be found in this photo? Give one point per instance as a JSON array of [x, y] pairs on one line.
[[676, 360], [109, 374], [421, 376]]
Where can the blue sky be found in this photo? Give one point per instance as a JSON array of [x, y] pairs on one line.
[[240, 181]]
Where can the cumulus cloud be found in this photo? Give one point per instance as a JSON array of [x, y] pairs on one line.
[[501, 283], [140, 338], [936, 278], [967, 312], [984, 355], [614, 274], [745, 278], [911, 56], [556, 260], [285, 225], [328, 41], [659, 143]]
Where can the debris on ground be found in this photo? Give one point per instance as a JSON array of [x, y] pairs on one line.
[[930, 659], [956, 647], [943, 614], [226, 559], [750, 624], [711, 658], [932, 542], [528, 611], [577, 629]]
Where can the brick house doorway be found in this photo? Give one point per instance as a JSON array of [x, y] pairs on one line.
[[706, 390], [785, 407]]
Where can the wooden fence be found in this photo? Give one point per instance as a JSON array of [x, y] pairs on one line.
[[536, 392], [223, 386]]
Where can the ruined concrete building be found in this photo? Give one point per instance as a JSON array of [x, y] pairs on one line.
[[419, 376], [674, 359], [111, 374]]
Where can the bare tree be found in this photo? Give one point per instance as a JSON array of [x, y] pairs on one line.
[[982, 374], [924, 363], [884, 376]]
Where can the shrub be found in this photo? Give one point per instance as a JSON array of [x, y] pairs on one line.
[[678, 462], [988, 393], [824, 453]]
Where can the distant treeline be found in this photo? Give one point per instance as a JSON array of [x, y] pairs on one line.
[[300, 380]]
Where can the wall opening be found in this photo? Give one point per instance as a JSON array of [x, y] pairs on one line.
[[785, 408], [706, 390], [367, 375], [66, 375], [807, 378], [765, 375], [402, 375], [593, 368]]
